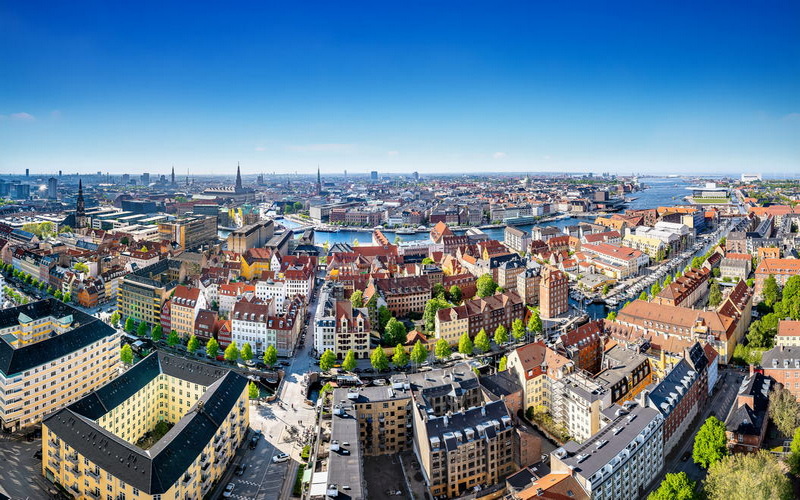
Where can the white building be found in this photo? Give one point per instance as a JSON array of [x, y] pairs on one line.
[[325, 323], [249, 324]]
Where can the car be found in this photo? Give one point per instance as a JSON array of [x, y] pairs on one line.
[[228, 492], [279, 458], [240, 469], [285, 363], [253, 442]]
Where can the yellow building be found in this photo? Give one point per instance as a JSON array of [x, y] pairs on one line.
[[50, 355], [653, 247], [189, 232], [384, 417], [104, 445], [143, 292]]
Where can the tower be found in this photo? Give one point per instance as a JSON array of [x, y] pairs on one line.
[[173, 176], [238, 188], [319, 182], [80, 208]]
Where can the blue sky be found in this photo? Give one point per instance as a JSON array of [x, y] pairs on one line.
[[678, 87]]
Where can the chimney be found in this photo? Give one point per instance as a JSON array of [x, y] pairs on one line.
[[483, 408], [752, 368]]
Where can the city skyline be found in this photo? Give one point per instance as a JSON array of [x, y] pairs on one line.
[[527, 88]]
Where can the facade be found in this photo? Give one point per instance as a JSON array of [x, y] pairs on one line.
[[482, 313], [143, 292], [403, 295], [746, 424], [190, 231], [782, 364], [50, 356], [685, 290], [553, 293], [736, 265], [616, 262], [351, 331], [621, 460], [249, 323], [782, 269], [528, 285], [516, 239], [384, 417], [537, 367], [652, 246], [788, 333], [251, 236], [205, 406], [185, 305]]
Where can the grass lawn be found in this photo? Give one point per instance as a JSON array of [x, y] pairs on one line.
[[712, 201]]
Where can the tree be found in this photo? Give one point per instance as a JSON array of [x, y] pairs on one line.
[[517, 329], [465, 344], [762, 331], [770, 291], [643, 296], [355, 243], [535, 321], [710, 444], [126, 354], [500, 335], [394, 333], [612, 315], [143, 329], [438, 291], [67, 297], [426, 261], [714, 295], [326, 388], [114, 319], [667, 280], [130, 325], [486, 286], [715, 272], [791, 290], [378, 359], [212, 348], [327, 360], [655, 289], [675, 487], [753, 476], [173, 339], [357, 299], [271, 356], [482, 341], [784, 411], [349, 363], [794, 458], [606, 289], [503, 364], [231, 352], [384, 315], [418, 353], [247, 352], [155, 333], [252, 391], [81, 267], [193, 344], [442, 349], [455, 294], [431, 308], [400, 358]]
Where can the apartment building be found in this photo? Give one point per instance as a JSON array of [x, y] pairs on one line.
[[616, 262], [507, 273], [782, 364], [536, 366], [352, 330], [584, 346], [403, 295], [185, 304], [746, 424], [528, 284], [384, 417], [50, 355], [553, 293], [143, 292], [230, 293], [652, 246], [516, 239], [736, 265], [249, 323], [482, 313], [189, 232], [94, 448], [255, 261], [781, 269], [685, 290], [251, 236], [619, 461], [788, 333]]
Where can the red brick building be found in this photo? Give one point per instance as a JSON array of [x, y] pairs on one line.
[[553, 293], [584, 346]]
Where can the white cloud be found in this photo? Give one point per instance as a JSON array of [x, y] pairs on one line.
[[19, 117], [499, 155], [393, 153], [322, 148], [260, 148]]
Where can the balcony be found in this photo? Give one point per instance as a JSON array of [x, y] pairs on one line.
[[93, 473], [74, 488], [94, 494], [52, 444], [187, 478], [73, 459]]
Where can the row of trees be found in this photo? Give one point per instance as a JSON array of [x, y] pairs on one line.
[[9, 270], [777, 304]]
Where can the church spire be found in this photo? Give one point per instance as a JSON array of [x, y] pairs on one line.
[[319, 182], [80, 207], [238, 178], [173, 175]]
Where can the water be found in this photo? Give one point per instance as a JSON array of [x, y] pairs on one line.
[[661, 193]]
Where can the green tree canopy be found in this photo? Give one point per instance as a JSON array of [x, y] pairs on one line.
[[252, 391], [142, 329], [655, 289], [126, 354], [438, 291], [486, 285], [155, 333], [418, 353], [394, 333], [668, 280], [517, 329], [535, 321], [357, 298], [270, 356], [710, 444], [455, 294], [349, 363], [745, 476], [503, 364], [231, 352], [784, 411], [442, 349], [770, 291], [378, 359], [114, 318], [247, 352], [465, 344], [327, 360], [612, 315], [400, 358], [384, 315], [431, 308], [714, 295], [482, 341], [212, 348], [193, 345], [173, 339], [643, 296], [794, 457], [675, 487], [500, 335], [426, 261]]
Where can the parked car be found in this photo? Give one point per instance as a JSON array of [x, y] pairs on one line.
[[280, 457], [228, 490], [240, 469], [253, 442]]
